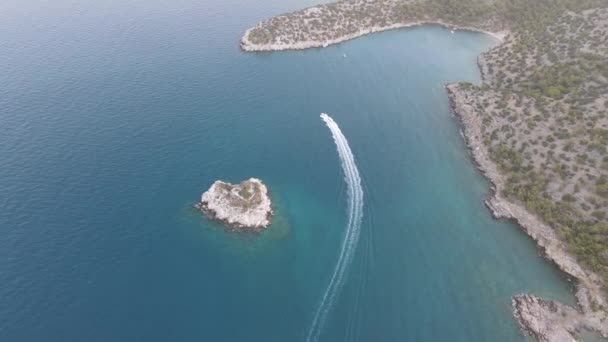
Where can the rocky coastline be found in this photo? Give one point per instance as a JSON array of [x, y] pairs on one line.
[[544, 320], [243, 207]]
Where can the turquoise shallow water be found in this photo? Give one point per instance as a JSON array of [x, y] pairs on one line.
[[115, 116]]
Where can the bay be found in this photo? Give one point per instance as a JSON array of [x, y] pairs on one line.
[[115, 116]]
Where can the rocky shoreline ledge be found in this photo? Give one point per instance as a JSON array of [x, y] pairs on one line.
[[545, 320], [245, 206]]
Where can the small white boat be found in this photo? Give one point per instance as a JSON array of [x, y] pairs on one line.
[[344, 55], [452, 31]]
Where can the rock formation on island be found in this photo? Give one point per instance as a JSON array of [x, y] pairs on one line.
[[245, 206]]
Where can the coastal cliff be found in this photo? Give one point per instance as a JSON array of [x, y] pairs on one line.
[[537, 126], [245, 206], [532, 128], [535, 316]]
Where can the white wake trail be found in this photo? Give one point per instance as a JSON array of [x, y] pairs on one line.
[[351, 234]]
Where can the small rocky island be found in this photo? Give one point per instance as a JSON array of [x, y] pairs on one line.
[[245, 206]]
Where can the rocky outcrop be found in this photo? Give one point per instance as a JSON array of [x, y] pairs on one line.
[[546, 321], [244, 206]]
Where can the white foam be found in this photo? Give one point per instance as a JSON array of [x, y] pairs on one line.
[[353, 227]]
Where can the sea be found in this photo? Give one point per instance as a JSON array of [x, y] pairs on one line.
[[116, 115]]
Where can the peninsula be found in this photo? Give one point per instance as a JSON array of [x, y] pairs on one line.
[[537, 126], [245, 206], [333, 23]]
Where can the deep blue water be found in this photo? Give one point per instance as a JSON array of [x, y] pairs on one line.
[[116, 115]]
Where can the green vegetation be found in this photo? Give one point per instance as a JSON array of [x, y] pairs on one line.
[[544, 111], [602, 186], [556, 69]]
